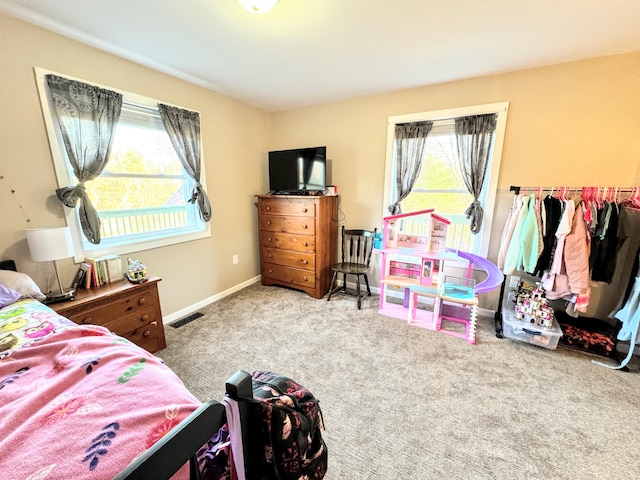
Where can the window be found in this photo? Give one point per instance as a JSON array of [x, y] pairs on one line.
[[440, 185], [142, 194]]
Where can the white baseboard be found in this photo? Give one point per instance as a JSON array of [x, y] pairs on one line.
[[208, 301]]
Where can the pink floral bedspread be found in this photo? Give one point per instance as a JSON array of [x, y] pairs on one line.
[[82, 402]]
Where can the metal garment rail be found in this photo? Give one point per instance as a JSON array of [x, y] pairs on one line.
[[517, 189]]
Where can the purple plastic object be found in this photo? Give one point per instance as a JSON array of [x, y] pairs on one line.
[[494, 275]]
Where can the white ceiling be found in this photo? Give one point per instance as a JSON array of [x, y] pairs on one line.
[[306, 52]]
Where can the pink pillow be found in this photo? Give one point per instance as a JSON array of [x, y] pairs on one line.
[[7, 296]]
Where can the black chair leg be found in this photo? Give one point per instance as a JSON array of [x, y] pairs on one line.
[[358, 291], [344, 282], [366, 281], [333, 285]]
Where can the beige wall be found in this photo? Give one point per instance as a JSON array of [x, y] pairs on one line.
[[236, 138], [571, 124]]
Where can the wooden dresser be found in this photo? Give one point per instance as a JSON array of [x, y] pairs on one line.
[[127, 309], [298, 241]]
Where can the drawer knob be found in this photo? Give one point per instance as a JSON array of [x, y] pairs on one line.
[[268, 209], [87, 320], [306, 244], [144, 318], [146, 333], [305, 226], [270, 239], [142, 301], [305, 210], [270, 270], [306, 262]]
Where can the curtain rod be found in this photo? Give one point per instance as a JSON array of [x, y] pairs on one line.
[[517, 188]]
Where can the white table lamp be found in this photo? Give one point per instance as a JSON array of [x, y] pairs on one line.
[[51, 244]]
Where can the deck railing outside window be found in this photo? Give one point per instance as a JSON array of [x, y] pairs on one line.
[[142, 220]]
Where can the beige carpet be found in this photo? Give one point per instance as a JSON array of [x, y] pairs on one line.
[[402, 402]]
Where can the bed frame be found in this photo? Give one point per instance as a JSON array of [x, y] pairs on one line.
[[182, 443]]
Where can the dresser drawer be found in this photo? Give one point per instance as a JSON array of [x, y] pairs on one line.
[[304, 261], [288, 276], [297, 225], [129, 310], [288, 241], [276, 206], [134, 320], [149, 336], [115, 309]]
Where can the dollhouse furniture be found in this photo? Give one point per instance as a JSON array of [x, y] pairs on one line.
[[414, 255], [357, 246]]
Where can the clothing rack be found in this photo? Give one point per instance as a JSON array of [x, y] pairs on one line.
[[604, 193], [517, 189]]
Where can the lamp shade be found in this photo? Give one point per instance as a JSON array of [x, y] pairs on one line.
[[46, 244]]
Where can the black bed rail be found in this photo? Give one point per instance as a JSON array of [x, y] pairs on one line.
[[182, 443]]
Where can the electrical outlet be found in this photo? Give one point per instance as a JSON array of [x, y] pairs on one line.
[[235, 259], [514, 281]]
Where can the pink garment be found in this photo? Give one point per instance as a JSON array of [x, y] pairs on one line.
[[576, 253]]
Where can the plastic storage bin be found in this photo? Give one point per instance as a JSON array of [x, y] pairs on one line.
[[529, 332]]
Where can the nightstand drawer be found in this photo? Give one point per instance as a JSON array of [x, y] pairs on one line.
[[138, 319], [129, 310], [149, 336], [112, 309]]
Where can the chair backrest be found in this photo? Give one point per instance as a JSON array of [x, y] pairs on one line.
[[357, 245]]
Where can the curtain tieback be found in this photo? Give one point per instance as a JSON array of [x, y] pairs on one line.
[[197, 192], [69, 196], [475, 213]]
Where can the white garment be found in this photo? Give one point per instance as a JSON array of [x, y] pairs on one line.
[[235, 435]]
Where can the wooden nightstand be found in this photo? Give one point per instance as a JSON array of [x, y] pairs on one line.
[[127, 309]]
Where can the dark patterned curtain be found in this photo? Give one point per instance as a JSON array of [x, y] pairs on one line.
[[410, 141], [87, 116], [183, 127], [474, 136]]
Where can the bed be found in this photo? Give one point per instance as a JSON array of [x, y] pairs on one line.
[[77, 401]]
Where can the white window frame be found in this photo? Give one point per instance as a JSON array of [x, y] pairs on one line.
[[491, 183], [65, 176]]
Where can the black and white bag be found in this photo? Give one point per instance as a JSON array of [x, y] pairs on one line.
[[290, 428]]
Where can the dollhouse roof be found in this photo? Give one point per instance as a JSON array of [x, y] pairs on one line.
[[415, 214]]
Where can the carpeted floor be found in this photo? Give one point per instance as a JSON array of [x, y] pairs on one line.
[[401, 402]]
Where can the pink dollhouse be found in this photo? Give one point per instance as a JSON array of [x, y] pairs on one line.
[[413, 258]]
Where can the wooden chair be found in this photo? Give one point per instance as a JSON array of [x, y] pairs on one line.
[[357, 246]]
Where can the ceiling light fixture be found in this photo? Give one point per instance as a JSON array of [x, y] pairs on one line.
[[257, 6]]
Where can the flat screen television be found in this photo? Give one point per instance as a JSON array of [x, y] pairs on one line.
[[298, 171]]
